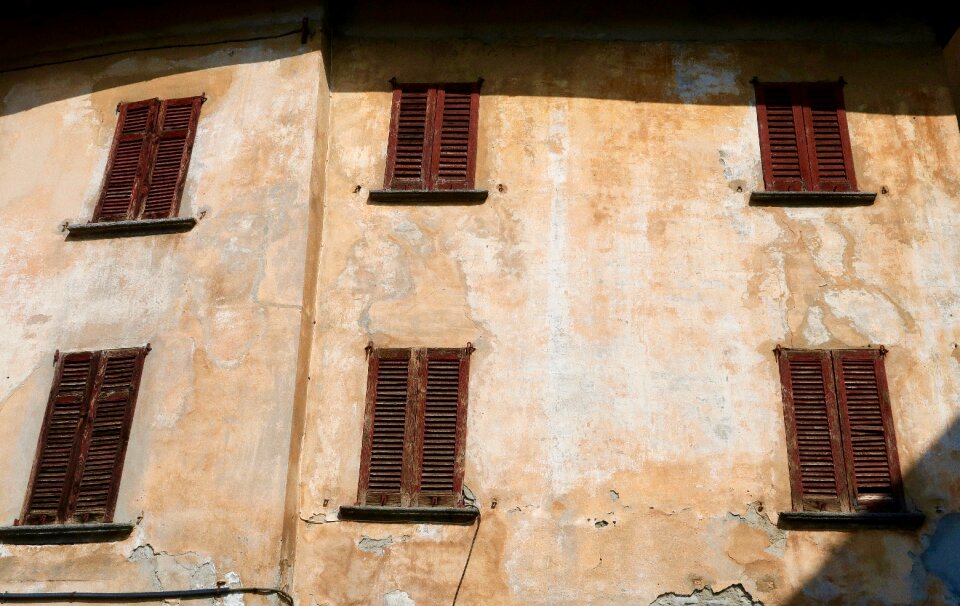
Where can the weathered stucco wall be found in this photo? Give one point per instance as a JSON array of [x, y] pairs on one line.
[[625, 435], [220, 305]]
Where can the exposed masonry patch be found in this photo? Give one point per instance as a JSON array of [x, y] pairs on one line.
[[756, 518], [397, 598], [734, 595], [176, 569], [379, 546]]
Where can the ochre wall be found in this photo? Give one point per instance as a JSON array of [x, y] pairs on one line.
[[220, 305], [625, 300]]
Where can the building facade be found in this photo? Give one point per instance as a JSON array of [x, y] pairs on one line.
[[624, 277]]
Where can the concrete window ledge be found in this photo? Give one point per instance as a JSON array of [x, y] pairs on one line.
[[822, 520], [64, 534], [126, 229], [427, 196], [463, 516], [812, 198]]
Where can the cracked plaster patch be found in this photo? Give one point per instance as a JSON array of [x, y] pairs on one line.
[[755, 518]]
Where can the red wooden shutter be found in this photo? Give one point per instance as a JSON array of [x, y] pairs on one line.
[[454, 145], [828, 141], [814, 446], [59, 440], [384, 442], [123, 184], [782, 137], [869, 443], [177, 128], [444, 427], [105, 440], [411, 137]]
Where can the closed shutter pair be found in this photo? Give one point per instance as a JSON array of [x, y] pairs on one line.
[[415, 429], [148, 161], [433, 137], [80, 454], [804, 142], [840, 436]]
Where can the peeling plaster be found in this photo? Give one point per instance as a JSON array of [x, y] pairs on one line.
[[755, 517], [735, 595], [398, 598], [379, 546]]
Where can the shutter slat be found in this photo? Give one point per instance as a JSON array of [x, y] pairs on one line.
[[110, 418], [409, 139], [128, 160], [868, 430], [178, 123], [440, 426], [781, 132], [830, 159], [389, 421], [59, 440], [811, 415]]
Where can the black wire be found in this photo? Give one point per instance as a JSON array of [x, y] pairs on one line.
[[152, 48], [142, 596], [467, 563]]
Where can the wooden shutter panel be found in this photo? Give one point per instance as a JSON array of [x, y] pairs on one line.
[[817, 476], [129, 157], [59, 440], [827, 138], [782, 137], [454, 146], [444, 428], [411, 137], [385, 427], [869, 441], [177, 128], [105, 440]]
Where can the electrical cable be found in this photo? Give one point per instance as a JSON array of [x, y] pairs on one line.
[[142, 596], [467, 563]]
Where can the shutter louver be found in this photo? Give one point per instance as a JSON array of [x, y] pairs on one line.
[[411, 138], [813, 431], [440, 423], [388, 431], [59, 440], [781, 137], [178, 121], [870, 446], [453, 154], [128, 159], [111, 413], [827, 137]]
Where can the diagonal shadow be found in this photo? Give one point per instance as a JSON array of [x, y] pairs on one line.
[[901, 567]]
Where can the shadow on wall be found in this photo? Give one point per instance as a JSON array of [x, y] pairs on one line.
[[71, 54], [494, 39], [873, 567]]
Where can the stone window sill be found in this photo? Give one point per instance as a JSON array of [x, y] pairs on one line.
[[812, 198], [126, 229], [427, 196], [821, 520], [463, 516], [64, 534]]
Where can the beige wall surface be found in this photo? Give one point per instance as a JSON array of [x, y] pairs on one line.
[[220, 305], [625, 432]]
